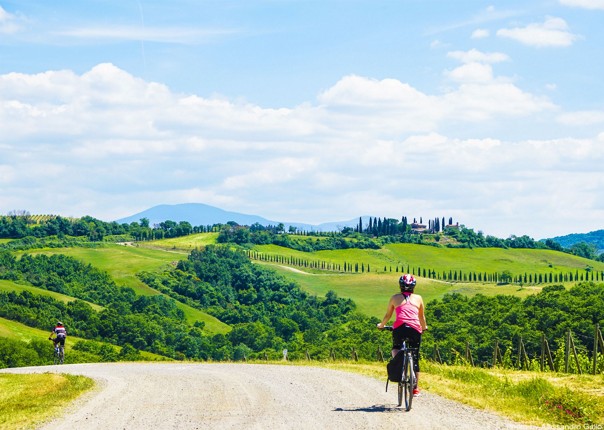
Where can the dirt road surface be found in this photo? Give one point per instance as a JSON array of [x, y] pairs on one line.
[[183, 396]]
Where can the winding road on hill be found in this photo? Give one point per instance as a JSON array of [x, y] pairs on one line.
[[183, 396]]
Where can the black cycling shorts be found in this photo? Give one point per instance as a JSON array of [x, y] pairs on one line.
[[404, 332], [59, 340]]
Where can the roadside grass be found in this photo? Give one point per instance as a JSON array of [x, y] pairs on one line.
[[528, 397], [124, 262], [29, 400], [531, 398]]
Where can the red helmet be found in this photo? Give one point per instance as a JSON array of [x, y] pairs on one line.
[[407, 282]]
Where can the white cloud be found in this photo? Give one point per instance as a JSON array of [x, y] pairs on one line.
[[386, 104], [476, 56], [7, 174], [553, 32], [364, 145], [480, 95], [435, 44], [471, 72], [586, 4], [9, 23], [177, 35], [582, 118], [480, 33], [476, 101]]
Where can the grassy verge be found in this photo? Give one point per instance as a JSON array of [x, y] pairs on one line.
[[28, 400], [530, 398], [527, 397]]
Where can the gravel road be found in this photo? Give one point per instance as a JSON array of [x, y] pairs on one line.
[[137, 396]]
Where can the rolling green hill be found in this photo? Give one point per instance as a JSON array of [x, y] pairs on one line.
[[183, 243], [413, 257], [124, 262], [12, 286], [371, 290], [17, 331]]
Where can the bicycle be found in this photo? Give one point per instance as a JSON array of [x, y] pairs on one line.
[[59, 354], [408, 380]]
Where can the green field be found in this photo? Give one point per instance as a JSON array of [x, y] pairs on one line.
[[121, 262], [184, 243], [371, 291], [12, 286], [479, 260], [18, 331]]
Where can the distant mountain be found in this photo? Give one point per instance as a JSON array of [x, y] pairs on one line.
[[594, 237], [201, 214]]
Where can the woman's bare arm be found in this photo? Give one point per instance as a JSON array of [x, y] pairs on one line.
[[389, 312]]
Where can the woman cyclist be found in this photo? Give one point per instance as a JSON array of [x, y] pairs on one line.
[[410, 321]]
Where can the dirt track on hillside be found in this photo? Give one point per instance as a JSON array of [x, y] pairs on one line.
[[137, 396]]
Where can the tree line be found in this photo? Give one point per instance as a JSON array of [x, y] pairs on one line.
[[381, 231], [376, 233], [24, 225], [481, 322]]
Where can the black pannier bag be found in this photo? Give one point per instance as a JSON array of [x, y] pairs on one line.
[[395, 367]]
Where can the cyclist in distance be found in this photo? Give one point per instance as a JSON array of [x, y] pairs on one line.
[[60, 333], [410, 321]]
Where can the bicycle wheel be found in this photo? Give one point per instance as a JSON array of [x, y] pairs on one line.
[[408, 381], [61, 355], [56, 356]]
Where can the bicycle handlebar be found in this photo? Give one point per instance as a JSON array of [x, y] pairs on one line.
[[390, 328]]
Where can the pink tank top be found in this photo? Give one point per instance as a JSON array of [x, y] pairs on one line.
[[407, 313]]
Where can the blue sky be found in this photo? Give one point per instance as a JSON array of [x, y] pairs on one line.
[[307, 111]]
